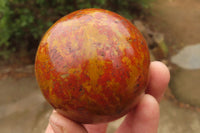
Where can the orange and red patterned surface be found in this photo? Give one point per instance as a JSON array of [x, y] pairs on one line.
[[92, 65]]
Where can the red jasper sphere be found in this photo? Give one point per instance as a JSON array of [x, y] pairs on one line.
[[92, 65]]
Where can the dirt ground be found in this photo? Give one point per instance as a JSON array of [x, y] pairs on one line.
[[179, 20]]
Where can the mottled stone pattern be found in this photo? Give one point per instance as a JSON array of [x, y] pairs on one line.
[[92, 65]]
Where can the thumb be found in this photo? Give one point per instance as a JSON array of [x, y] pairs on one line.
[[60, 124]]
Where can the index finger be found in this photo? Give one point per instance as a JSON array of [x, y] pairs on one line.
[[159, 77]]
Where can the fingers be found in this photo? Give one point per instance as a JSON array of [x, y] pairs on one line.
[[144, 119], [96, 128], [49, 129], [159, 77], [60, 124]]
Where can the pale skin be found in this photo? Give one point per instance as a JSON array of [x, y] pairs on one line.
[[144, 118]]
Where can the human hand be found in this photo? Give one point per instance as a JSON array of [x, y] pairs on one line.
[[144, 118]]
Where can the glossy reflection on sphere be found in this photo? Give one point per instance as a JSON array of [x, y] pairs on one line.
[[92, 65]]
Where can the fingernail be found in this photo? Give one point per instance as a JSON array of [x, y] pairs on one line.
[[54, 123]]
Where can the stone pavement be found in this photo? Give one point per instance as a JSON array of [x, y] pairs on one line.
[[24, 110], [22, 107], [186, 74]]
